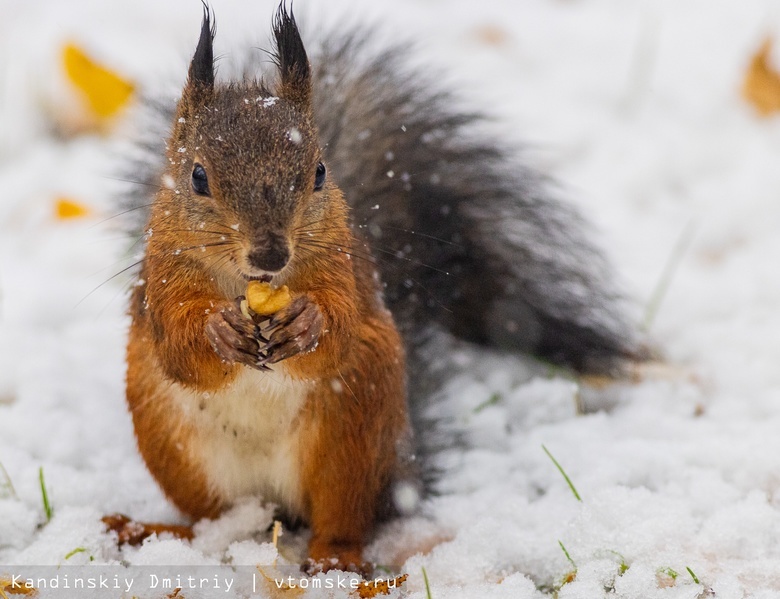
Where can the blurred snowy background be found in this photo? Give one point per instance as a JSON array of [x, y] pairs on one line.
[[636, 107]]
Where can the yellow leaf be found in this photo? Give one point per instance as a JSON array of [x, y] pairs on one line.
[[275, 585], [374, 588], [105, 92], [762, 82], [67, 209], [9, 587]]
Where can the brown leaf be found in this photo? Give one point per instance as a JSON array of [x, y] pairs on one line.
[[762, 82], [492, 35], [130, 532], [8, 587], [275, 585], [372, 588]]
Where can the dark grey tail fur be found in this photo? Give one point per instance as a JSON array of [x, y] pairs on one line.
[[465, 237]]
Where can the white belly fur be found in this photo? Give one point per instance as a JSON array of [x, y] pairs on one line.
[[247, 435]]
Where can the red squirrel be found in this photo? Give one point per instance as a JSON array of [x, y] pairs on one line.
[[353, 183]]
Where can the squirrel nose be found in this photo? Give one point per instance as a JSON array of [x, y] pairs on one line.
[[269, 257]]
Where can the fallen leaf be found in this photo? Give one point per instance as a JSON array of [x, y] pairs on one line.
[[372, 588], [66, 209], [762, 82], [491, 35], [664, 580], [7, 587], [105, 92], [275, 585], [130, 532]]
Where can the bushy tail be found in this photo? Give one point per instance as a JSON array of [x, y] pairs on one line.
[[465, 236]]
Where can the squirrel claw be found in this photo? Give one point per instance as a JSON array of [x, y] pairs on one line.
[[235, 338], [268, 359], [291, 312], [264, 359], [270, 347], [294, 330]]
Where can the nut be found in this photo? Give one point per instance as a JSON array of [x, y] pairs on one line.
[[265, 300]]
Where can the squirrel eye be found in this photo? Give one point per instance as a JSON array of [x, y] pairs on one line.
[[200, 182], [319, 177]]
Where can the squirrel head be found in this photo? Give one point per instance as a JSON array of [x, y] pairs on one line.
[[245, 158]]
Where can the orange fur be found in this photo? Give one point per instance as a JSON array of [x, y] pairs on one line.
[[354, 414], [164, 444], [350, 462]]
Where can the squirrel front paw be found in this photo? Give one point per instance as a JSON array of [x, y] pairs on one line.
[[235, 338], [293, 330]]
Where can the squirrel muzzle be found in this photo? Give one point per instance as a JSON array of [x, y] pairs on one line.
[[271, 253]]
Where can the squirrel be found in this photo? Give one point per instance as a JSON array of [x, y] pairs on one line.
[[354, 182]]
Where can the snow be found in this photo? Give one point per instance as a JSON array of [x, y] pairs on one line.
[[635, 107]]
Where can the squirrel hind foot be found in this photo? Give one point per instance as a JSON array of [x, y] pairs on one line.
[[312, 567], [332, 554]]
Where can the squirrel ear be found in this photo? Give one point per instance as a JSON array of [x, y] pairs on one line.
[[201, 73], [290, 57]]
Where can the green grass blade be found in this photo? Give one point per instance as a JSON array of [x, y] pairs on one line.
[[695, 578], [565, 476], [621, 561], [427, 585], [566, 553], [75, 551], [45, 495], [672, 264], [7, 484], [669, 572], [490, 401]]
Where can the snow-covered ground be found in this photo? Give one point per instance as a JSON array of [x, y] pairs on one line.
[[636, 107]]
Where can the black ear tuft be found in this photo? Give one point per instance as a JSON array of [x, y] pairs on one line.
[[290, 56], [202, 65]]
